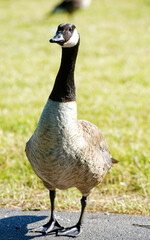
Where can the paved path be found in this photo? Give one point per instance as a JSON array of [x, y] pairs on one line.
[[15, 225]]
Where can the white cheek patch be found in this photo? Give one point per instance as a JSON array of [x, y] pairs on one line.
[[85, 3], [72, 41]]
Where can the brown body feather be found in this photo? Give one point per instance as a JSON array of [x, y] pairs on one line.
[[65, 152]]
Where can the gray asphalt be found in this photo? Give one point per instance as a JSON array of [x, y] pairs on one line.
[[16, 225]]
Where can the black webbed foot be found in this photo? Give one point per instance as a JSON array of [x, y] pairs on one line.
[[50, 227], [71, 231]]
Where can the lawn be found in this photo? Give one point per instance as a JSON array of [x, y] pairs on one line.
[[113, 91]]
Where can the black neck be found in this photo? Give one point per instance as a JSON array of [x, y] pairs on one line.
[[64, 87]]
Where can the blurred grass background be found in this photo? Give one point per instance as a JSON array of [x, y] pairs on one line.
[[113, 92]]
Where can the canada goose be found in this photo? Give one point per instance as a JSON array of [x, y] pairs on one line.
[[71, 5], [63, 151]]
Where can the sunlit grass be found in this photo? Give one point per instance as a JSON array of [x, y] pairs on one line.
[[113, 92]]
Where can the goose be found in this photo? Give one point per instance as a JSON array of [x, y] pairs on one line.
[[63, 151], [71, 5]]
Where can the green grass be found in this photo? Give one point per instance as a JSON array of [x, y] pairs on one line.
[[113, 92]]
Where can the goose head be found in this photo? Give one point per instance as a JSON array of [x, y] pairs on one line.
[[66, 35]]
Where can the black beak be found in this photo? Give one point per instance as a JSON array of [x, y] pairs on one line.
[[58, 38]]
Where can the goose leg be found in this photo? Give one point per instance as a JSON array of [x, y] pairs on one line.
[[77, 229], [52, 226]]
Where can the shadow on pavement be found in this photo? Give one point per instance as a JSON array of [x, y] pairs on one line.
[[15, 228]]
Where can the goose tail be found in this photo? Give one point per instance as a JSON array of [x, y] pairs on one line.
[[114, 160]]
